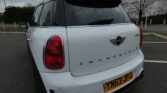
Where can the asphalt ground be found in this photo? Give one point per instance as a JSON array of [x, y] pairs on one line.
[[16, 72], [15, 66], [157, 28]]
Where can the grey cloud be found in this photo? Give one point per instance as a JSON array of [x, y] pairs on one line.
[[17, 3]]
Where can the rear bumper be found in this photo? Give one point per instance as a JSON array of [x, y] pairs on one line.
[[93, 83], [124, 89], [91, 88]]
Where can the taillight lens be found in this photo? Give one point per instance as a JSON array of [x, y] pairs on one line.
[[53, 53], [141, 37]]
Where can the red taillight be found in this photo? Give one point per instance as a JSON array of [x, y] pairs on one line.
[[53, 53], [141, 37]]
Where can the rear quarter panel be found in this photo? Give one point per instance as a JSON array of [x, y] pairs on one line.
[[38, 38]]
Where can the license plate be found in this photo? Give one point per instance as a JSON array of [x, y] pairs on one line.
[[109, 86]]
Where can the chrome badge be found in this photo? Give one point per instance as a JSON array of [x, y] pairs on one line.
[[118, 41]]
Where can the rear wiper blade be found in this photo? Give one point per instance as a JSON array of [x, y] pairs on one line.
[[101, 22]]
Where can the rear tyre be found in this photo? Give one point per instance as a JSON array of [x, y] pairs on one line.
[[28, 48]]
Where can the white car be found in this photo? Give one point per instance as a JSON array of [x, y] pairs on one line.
[[83, 46]]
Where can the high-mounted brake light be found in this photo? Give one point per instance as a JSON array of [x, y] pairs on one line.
[[53, 53], [141, 37]]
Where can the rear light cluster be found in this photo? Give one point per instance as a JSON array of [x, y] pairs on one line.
[[141, 37], [53, 53]]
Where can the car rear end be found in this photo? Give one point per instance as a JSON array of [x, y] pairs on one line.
[[97, 50], [98, 67]]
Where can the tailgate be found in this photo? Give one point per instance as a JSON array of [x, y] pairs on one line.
[[98, 48]]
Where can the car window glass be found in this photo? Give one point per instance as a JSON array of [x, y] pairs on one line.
[[46, 16], [59, 14], [37, 15], [81, 15]]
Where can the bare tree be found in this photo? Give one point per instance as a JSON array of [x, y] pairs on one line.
[[141, 6], [162, 9], [138, 6]]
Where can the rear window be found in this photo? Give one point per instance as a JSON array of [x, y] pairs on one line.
[[87, 15]]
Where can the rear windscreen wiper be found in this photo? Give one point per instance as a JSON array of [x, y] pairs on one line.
[[101, 22]]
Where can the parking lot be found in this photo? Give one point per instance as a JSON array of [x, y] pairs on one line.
[[16, 67]]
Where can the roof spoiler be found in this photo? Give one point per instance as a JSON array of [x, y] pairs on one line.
[[95, 3]]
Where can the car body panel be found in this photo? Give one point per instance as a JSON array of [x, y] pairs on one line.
[[38, 38], [93, 83], [89, 44]]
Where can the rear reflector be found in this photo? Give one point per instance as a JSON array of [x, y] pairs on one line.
[[141, 37], [53, 53]]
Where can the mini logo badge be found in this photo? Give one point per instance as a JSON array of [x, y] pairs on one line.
[[118, 41]]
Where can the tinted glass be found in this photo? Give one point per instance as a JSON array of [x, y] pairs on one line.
[[82, 15], [47, 14], [59, 14], [36, 15]]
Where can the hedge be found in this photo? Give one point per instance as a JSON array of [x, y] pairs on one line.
[[156, 19]]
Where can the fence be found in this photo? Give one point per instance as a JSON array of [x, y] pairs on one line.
[[10, 27], [151, 21]]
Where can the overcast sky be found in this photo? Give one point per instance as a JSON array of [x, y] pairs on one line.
[[17, 3]]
